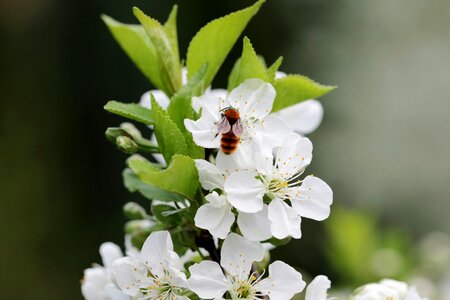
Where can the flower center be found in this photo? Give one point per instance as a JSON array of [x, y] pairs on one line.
[[163, 287], [245, 289]]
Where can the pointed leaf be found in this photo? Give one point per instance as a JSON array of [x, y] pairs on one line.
[[134, 184], [166, 50], [293, 89], [170, 28], [137, 45], [170, 139], [131, 111], [214, 41], [180, 177], [272, 70], [249, 66]]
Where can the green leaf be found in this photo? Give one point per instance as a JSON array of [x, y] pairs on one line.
[[293, 89], [180, 177], [214, 41], [134, 184], [137, 45], [170, 139], [180, 108], [248, 66], [171, 31], [167, 50], [130, 111], [272, 70], [167, 214]]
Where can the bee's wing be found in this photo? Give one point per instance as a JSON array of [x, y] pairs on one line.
[[237, 128], [223, 126]]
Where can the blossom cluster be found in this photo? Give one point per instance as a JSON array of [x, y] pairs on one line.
[[224, 170]]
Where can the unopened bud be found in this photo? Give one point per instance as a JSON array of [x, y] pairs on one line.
[[138, 226], [134, 211], [131, 130], [112, 133], [126, 145]]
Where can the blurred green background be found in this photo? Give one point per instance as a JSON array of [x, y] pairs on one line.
[[383, 145]]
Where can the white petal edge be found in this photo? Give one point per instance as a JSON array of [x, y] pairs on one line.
[[109, 253], [160, 97], [314, 200], [244, 191], [210, 176], [207, 280], [285, 221], [304, 117], [253, 98], [318, 288], [283, 281], [255, 226], [238, 254]]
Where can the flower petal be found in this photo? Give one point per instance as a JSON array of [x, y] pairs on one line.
[[303, 117], [312, 199], [214, 218], [210, 176], [253, 98], [244, 191], [114, 293], [285, 221], [294, 155], [240, 159], [255, 226], [318, 288], [238, 254], [204, 131], [157, 252], [273, 132], [160, 97], [283, 282], [207, 280], [94, 282], [109, 253], [127, 272]]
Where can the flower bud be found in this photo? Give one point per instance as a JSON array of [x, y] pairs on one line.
[[134, 211], [112, 133], [131, 130], [127, 145]]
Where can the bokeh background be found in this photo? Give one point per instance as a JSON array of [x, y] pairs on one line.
[[383, 145]]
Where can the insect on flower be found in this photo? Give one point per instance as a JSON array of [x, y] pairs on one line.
[[230, 126]]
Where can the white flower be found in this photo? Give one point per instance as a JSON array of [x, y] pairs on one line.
[[310, 197], [253, 101], [217, 217], [318, 288], [387, 289], [303, 117], [208, 280], [97, 282], [154, 273]]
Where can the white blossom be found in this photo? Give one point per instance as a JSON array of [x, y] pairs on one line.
[[208, 280], [253, 100], [216, 215], [97, 283], [154, 273], [387, 289], [318, 288], [279, 180]]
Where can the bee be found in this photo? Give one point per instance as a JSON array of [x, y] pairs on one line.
[[230, 126]]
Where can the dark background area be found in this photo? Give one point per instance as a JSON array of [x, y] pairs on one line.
[[383, 146]]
